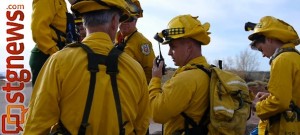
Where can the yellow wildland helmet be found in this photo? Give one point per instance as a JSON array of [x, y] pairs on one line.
[[135, 8], [84, 6], [272, 27], [185, 26]]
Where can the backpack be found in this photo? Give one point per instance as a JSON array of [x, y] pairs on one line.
[[229, 107]]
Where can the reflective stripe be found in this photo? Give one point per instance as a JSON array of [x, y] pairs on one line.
[[222, 108], [237, 82]]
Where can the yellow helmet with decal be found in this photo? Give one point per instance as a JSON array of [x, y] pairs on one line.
[[272, 27], [186, 26]]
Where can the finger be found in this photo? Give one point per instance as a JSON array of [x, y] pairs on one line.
[[258, 95], [264, 96], [161, 63]]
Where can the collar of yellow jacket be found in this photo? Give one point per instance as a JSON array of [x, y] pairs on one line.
[[97, 39], [191, 64], [289, 45], [278, 51]]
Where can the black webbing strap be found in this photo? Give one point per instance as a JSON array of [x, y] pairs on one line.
[[111, 61], [121, 46], [93, 61], [207, 71], [188, 121], [59, 33], [112, 70], [202, 126]]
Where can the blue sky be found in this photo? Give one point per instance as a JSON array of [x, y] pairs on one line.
[[227, 19]]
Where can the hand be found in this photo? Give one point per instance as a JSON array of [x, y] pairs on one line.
[[262, 95], [157, 70]]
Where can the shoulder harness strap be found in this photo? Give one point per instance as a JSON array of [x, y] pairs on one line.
[[59, 34], [111, 61], [121, 46], [70, 33], [202, 125]]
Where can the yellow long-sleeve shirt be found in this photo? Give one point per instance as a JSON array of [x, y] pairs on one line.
[[61, 89], [187, 91], [46, 12], [284, 86]]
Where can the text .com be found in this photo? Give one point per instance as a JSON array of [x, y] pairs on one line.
[[15, 7]]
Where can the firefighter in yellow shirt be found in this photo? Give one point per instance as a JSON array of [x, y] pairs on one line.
[[187, 90], [78, 93], [133, 42], [49, 29], [276, 40]]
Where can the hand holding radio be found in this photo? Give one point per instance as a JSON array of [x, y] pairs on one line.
[[158, 59]]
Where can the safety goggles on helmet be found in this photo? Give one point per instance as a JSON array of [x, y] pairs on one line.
[[272, 27], [185, 26], [135, 8], [165, 35]]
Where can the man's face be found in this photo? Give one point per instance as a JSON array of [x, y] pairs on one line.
[[178, 51], [267, 48], [128, 26]]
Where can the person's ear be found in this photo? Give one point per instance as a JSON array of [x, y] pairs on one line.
[[189, 46], [115, 22]]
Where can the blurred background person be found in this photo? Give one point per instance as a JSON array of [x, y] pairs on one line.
[[134, 43]]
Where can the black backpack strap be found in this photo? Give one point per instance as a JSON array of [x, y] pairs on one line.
[[188, 121], [111, 62], [207, 71], [282, 50], [93, 61], [121, 46], [70, 33], [202, 126], [59, 34], [112, 70]]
